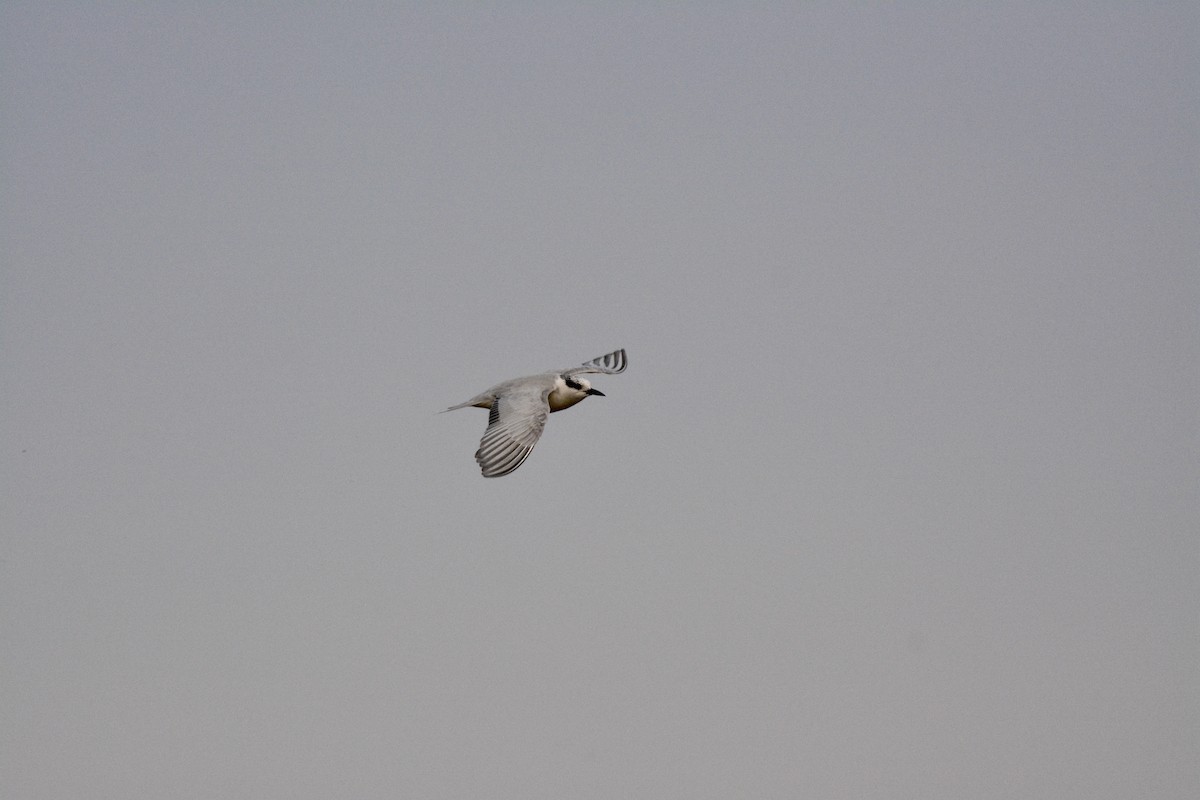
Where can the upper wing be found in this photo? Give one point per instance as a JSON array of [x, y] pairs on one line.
[[514, 426], [609, 364]]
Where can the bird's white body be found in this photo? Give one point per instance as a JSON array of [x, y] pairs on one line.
[[519, 408]]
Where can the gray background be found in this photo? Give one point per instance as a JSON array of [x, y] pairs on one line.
[[897, 498]]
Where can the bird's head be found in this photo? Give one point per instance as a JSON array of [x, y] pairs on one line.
[[581, 385], [569, 390]]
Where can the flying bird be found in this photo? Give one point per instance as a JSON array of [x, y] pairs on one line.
[[519, 407]]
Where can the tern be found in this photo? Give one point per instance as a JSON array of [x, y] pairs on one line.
[[519, 407]]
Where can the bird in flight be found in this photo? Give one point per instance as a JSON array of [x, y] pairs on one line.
[[518, 409]]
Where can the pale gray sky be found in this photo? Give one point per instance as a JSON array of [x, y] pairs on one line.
[[897, 498]]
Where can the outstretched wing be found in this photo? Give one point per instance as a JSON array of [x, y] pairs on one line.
[[609, 364], [515, 424]]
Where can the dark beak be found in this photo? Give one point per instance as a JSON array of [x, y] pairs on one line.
[[596, 392]]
